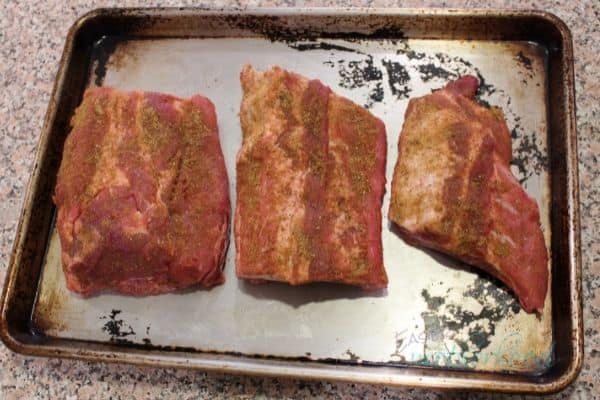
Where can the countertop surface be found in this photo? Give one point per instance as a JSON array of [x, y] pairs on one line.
[[32, 36]]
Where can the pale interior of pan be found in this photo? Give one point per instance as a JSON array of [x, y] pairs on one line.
[[434, 312]]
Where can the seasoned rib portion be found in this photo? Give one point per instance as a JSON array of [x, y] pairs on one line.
[[453, 191], [142, 194], [310, 181]]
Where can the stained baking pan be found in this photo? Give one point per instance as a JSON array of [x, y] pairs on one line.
[[440, 323]]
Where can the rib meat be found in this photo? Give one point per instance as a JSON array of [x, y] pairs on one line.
[[453, 191], [142, 194], [310, 181]]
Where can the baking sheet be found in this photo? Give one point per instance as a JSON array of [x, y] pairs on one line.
[[435, 312]]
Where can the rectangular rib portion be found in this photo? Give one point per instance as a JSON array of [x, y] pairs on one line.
[[453, 191], [310, 181], [142, 194]]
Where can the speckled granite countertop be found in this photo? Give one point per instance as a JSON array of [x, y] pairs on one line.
[[32, 36]]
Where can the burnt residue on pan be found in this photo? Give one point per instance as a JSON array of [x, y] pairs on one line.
[[524, 60], [121, 332], [398, 78], [456, 335], [116, 328], [352, 356], [101, 53], [360, 73], [321, 46], [277, 29], [528, 157], [110, 53]]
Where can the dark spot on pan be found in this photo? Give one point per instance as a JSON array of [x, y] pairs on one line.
[[321, 46], [431, 71], [353, 357], [375, 95], [101, 53], [524, 60], [399, 347], [411, 54], [147, 340], [116, 328], [433, 302], [469, 332], [485, 88], [359, 74], [444, 58], [398, 78], [479, 337], [271, 27], [527, 156], [277, 29]]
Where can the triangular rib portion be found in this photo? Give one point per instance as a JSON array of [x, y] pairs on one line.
[[453, 191]]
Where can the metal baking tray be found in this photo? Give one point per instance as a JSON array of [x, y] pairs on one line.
[[440, 323]]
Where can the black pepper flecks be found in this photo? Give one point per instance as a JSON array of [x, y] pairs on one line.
[[116, 328], [398, 78]]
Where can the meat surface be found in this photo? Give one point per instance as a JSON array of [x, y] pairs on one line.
[[453, 191], [142, 194], [310, 182]]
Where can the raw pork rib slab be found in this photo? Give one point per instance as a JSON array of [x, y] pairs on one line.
[[453, 191], [310, 182], [142, 194]]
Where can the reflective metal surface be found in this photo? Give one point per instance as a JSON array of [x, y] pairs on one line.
[[435, 313]]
